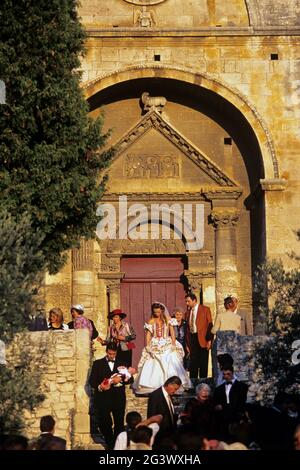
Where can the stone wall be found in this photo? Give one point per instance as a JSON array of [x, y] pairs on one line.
[[242, 349], [64, 357]]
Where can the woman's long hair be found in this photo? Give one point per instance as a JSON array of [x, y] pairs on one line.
[[162, 308]]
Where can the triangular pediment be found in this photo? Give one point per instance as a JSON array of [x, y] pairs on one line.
[[153, 127]]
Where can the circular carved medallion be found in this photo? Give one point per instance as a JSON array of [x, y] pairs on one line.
[[144, 3]]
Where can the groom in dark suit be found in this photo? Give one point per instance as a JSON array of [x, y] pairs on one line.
[[229, 398], [160, 403], [109, 398]]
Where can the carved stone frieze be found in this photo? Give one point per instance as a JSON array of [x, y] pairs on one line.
[[146, 246], [224, 218], [154, 120], [151, 166], [82, 257]]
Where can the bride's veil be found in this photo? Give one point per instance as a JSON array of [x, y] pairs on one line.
[[167, 313]]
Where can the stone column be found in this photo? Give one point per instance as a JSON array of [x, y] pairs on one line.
[[277, 230], [225, 220], [83, 275]]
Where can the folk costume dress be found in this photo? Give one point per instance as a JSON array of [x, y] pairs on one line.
[[160, 360]]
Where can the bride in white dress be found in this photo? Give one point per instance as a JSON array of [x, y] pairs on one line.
[[163, 355]]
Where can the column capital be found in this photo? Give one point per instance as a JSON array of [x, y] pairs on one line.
[[113, 285], [225, 217], [275, 184]]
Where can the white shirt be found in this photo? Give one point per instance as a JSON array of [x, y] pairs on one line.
[[193, 317], [169, 401], [121, 441], [111, 365], [227, 390]]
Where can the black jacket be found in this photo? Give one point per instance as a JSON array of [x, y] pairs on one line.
[[237, 397], [157, 404], [46, 440], [101, 371]]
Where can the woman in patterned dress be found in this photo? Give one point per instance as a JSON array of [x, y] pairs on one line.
[[162, 356]]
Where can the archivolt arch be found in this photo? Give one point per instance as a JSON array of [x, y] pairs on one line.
[[184, 74]]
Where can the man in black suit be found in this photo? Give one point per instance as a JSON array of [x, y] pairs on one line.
[[110, 395], [160, 403], [230, 397], [47, 440]]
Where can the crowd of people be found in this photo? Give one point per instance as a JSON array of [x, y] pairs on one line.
[[173, 361]]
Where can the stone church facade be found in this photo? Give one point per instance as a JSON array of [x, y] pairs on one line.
[[202, 99]]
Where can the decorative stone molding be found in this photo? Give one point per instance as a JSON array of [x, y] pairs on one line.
[[210, 82], [150, 197], [82, 257], [146, 247], [273, 184], [113, 279], [195, 278], [224, 218], [154, 120], [222, 193]]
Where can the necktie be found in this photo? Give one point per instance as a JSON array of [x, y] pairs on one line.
[[171, 407], [192, 328]]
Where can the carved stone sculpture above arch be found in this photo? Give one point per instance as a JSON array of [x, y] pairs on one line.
[[187, 75]]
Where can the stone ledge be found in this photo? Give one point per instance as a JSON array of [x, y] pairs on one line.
[[194, 32]]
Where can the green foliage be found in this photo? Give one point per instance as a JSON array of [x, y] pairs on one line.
[[281, 290], [49, 147], [21, 261], [20, 384]]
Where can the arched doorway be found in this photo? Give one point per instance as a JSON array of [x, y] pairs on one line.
[[217, 158], [149, 279]]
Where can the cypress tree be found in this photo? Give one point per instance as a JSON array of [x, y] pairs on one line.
[[50, 150]]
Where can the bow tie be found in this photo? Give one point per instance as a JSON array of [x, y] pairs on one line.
[[228, 383], [110, 361]]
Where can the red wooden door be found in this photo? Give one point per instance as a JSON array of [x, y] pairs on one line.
[[148, 280]]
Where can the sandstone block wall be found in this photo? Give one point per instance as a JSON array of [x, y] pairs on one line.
[[64, 357]]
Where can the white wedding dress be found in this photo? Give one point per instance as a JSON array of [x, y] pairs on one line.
[[160, 360]]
